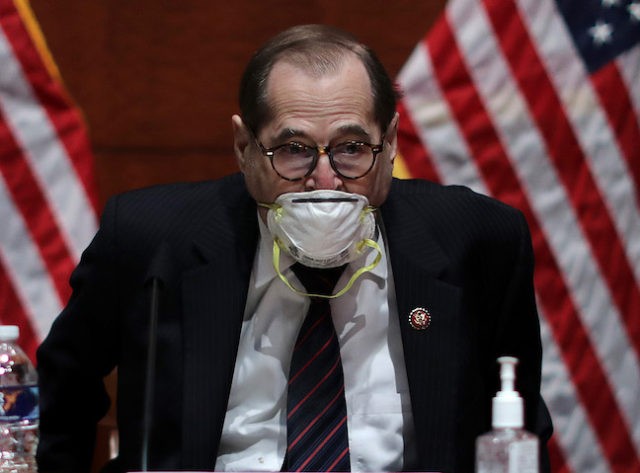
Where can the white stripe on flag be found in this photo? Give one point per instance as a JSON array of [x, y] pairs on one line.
[[591, 126], [31, 281], [571, 424], [629, 64], [47, 157], [438, 130], [550, 202]]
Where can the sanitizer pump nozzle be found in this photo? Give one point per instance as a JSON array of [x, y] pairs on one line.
[[508, 447], [508, 410]]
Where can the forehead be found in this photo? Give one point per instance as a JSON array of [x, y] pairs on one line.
[[320, 101]]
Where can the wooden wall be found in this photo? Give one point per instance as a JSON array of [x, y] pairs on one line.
[[157, 79]]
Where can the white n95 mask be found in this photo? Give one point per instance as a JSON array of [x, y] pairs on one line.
[[322, 229]]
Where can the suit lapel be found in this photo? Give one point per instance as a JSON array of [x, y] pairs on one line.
[[214, 296], [419, 270]]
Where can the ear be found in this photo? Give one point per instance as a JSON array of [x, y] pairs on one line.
[[241, 141], [392, 137]]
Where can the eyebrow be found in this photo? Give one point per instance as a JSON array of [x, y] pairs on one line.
[[288, 133], [349, 129]]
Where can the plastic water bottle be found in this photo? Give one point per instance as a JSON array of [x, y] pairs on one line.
[[508, 448], [19, 413]]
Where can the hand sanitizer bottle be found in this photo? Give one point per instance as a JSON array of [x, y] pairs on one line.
[[508, 448]]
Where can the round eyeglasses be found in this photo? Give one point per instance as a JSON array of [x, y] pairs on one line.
[[294, 161]]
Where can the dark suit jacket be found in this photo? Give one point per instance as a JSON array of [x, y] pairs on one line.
[[464, 257]]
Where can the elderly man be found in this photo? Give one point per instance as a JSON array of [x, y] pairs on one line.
[[315, 313]]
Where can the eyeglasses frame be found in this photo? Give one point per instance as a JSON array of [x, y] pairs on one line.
[[270, 152]]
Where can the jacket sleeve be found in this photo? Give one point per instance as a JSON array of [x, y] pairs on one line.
[[76, 355]]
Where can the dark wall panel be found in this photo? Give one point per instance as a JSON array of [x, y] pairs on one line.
[[157, 79]]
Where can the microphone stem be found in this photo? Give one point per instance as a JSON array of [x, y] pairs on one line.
[[151, 369]]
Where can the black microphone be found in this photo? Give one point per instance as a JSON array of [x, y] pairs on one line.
[[158, 274]]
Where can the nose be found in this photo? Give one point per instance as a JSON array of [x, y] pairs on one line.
[[323, 176]]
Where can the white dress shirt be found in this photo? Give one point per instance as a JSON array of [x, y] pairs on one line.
[[380, 422]]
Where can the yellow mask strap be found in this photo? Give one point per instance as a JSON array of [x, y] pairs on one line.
[[356, 275], [277, 208], [365, 211]]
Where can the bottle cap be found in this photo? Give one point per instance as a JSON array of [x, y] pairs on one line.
[[9, 332], [508, 409]]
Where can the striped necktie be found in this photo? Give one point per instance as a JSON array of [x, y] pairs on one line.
[[316, 408]]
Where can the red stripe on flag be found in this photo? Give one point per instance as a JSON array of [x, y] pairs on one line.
[[611, 89], [29, 199], [569, 160], [485, 144], [412, 150], [556, 457], [53, 98], [14, 314]]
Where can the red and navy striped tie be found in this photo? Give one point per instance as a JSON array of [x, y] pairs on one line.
[[316, 408]]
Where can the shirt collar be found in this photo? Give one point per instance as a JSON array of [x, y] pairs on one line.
[[264, 271]]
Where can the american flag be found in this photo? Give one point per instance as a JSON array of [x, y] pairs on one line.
[[47, 192], [537, 102]]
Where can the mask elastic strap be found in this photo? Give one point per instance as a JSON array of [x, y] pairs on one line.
[[356, 275], [276, 208]]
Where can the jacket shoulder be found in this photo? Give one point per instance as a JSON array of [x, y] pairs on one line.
[[451, 197], [175, 196], [453, 210], [176, 213]]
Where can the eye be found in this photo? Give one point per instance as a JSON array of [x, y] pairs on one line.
[[351, 148], [294, 148]]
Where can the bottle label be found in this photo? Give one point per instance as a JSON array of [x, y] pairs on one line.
[[523, 456], [19, 403]]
